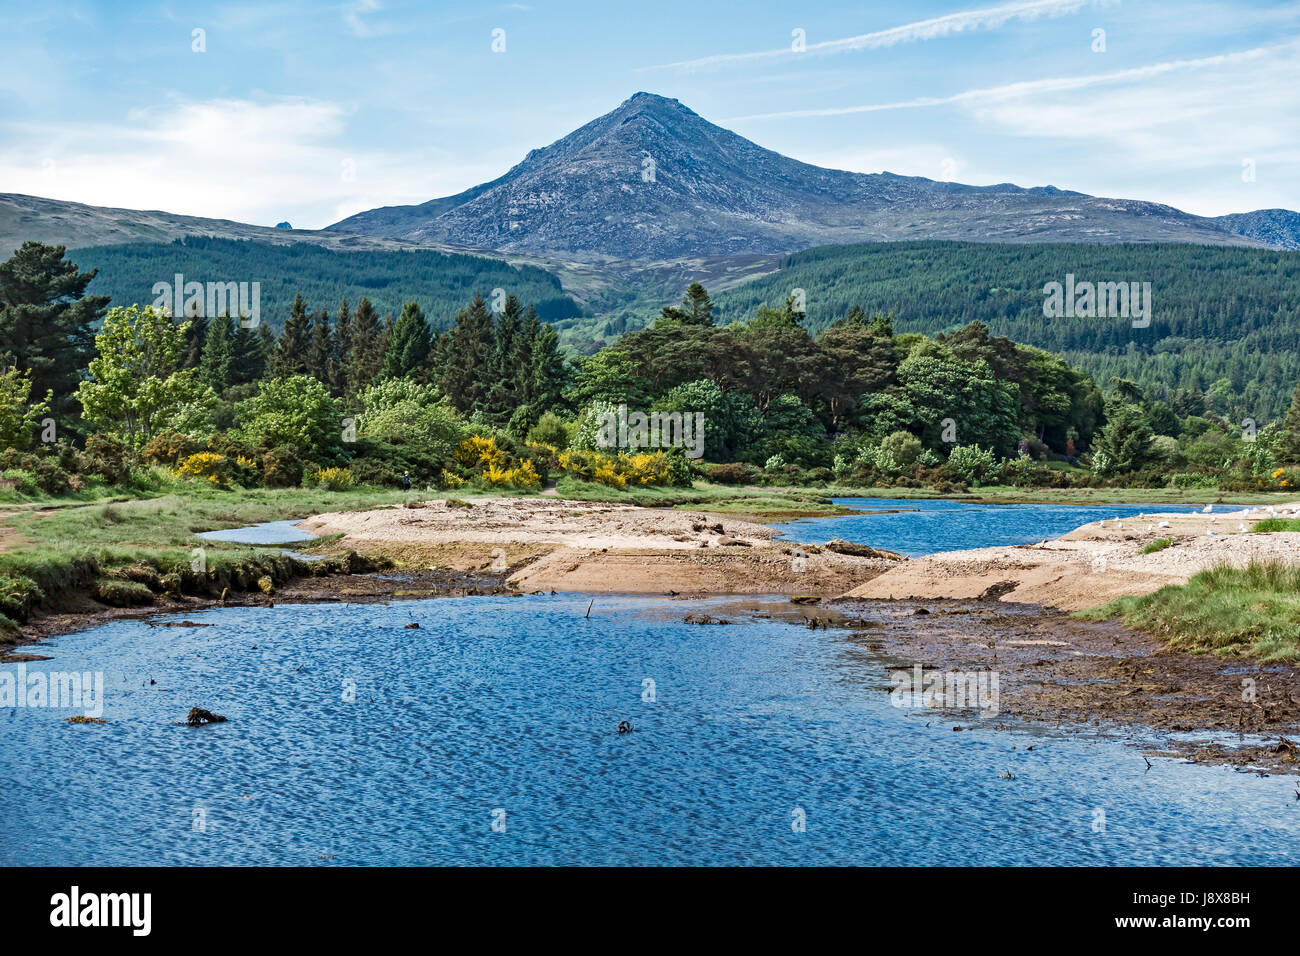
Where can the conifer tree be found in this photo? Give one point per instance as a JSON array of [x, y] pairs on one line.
[[467, 357], [367, 354], [408, 346], [250, 353], [46, 321], [343, 338], [292, 350], [217, 361], [322, 360]]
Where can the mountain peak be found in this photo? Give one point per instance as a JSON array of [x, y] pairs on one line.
[[653, 180]]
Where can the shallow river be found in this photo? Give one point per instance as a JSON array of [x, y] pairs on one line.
[[914, 527], [353, 739]]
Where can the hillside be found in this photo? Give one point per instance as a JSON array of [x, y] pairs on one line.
[[1218, 313], [442, 283]]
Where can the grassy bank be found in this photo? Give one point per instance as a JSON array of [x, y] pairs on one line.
[[124, 552], [1247, 612], [1009, 494]]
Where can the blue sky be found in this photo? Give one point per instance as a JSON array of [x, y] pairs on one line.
[[313, 111]]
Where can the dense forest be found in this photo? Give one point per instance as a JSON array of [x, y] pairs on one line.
[[440, 283], [1225, 322], [485, 394]]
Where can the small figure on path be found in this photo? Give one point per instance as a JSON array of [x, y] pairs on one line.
[[406, 481]]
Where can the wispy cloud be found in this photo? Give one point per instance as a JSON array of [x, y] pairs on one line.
[[1026, 88], [354, 15], [964, 21]]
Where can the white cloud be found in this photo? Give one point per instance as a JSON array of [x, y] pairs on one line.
[[964, 21], [258, 162], [1149, 131], [1027, 88]]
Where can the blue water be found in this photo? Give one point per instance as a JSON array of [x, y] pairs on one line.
[[923, 526], [267, 532], [500, 703]]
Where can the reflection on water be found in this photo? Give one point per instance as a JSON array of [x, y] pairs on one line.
[[353, 739]]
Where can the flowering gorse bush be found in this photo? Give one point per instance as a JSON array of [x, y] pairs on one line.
[[206, 466], [621, 470], [332, 479]]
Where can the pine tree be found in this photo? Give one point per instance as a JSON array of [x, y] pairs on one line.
[[46, 322], [343, 325], [291, 353], [408, 346], [696, 308], [466, 359], [217, 360], [322, 359], [546, 367], [366, 348], [196, 339], [250, 353], [505, 380]]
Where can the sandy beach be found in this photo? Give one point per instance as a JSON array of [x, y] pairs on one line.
[[1095, 563], [554, 544]]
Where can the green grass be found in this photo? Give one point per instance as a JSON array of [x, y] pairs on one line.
[[1238, 612], [1010, 494], [1159, 544], [73, 547], [1277, 524]]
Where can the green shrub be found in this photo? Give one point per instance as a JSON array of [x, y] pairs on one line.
[[551, 430], [282, 468], [170, 447], [974, 465], [1159, 544], [734, 473], [21, 480], [1193, 480], [116, 592], [110, 459]]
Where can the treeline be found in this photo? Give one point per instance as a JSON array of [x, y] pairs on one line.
[[487, 395], [1226, 321], [440, 283]]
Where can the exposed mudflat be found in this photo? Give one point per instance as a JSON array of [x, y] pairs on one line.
[[1056, 670], [85, 612]]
